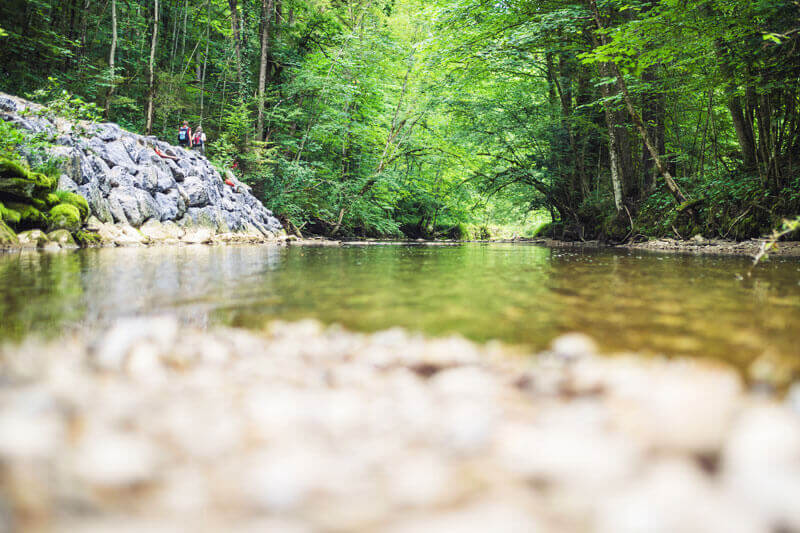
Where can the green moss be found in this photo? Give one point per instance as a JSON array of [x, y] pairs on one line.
[[29, 216], [65, 216], [7, 235], [87, 239], [543, 230], [43, 182], [66, 197], [460, 232], [12, 169], [9, 215], [689, 204], [52, 199], [16, 181]]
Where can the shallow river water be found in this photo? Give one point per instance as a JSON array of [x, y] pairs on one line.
[[520, 294]]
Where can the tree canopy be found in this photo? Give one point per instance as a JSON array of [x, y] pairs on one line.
[[617, 118]]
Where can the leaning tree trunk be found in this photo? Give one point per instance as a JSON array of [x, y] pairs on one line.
[[673, 187], [112, 55], [151, 82]]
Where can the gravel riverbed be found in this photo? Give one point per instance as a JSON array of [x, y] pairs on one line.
[[154, 426]]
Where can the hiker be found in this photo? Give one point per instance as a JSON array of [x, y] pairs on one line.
[[185, 135], [199, 140]]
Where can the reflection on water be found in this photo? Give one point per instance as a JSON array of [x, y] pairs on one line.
[[521, 294]]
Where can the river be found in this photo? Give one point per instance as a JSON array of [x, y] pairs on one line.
[[521, 294]]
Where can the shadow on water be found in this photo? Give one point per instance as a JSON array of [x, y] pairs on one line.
[[690, 305]]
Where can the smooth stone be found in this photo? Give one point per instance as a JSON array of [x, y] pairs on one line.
[[34, 238], [63, 238]]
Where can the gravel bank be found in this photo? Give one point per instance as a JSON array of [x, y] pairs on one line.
[[691, 246], [154, 426]]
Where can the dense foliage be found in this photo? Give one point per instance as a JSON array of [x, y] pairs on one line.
[[618, 117]]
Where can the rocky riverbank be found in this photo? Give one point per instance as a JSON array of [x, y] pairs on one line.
[[139, 190], [154, 426], [691, 246]]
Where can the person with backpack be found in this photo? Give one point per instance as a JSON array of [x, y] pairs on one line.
[[185, 135], [199, 140]]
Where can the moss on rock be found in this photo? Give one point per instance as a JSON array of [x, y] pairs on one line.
[[7, 235], [29, 216], [87, 239], [52, 199], [19, 182], [8, 215], [65, 216], [66, 197], [12, 169]]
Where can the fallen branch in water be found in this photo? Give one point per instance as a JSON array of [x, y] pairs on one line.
[[772, 241]]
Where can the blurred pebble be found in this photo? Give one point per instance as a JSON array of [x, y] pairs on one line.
[[158, 427]]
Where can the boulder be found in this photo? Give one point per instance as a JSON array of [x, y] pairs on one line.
[[177, 172], [115, 154], [161, 232], [171, 205], [147, 178], [148, 207], [120, 235], [65, 183], [34, 238], [124, 206], [107, 132], [63, 238], [120, 177], [65, 216], [27, 215], [198, 236], [7, 236], [77, 200], [164, 180], [19, 182], [97, 204], [196, 191]]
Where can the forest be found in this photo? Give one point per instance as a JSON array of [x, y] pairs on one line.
[[581, 119]]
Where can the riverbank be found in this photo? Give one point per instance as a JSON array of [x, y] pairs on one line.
[[691, 246], [152, 425]]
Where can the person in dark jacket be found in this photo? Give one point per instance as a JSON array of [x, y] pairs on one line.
[[185, 135]]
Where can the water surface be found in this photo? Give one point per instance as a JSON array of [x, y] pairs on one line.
[[522, 294]]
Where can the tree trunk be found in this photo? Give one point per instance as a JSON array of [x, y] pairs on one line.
[[744, 130], [151, 81], [112, 55], [653, 114], [205, 60], [266, 16], [236, 42], [671, 184], [613, 149]]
